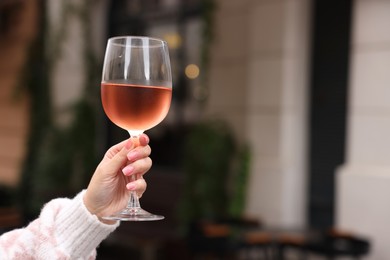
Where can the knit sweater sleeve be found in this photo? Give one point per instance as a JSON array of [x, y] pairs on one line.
[[64, 230]]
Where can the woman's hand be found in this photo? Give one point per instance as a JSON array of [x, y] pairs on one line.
[[110, 186]]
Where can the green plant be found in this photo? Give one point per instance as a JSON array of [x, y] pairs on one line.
[[239, 179], [216, 170]]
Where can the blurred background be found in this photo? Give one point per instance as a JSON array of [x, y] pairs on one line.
[[275, 145]]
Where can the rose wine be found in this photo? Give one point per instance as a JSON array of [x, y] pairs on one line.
[[135, 107]]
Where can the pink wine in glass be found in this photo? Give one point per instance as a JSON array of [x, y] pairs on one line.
[[135, 107]]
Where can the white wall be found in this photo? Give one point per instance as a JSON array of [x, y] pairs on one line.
[[258, 84], [363, 183]]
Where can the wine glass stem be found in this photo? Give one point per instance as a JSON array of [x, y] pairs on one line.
[[133, 200]]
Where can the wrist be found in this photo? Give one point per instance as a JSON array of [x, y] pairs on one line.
[[93, 211], [107, 221], [88, 205]]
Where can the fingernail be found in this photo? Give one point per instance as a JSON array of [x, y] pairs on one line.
[[146, 138], [131, 156], [131, 186], [128, 170], [129, 144]]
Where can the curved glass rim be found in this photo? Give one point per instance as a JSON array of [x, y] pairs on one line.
[[112, 40]]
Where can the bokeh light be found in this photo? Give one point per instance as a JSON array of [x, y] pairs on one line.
[[192, 71]]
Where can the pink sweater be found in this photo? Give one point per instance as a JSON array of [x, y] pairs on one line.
[[64, 230]]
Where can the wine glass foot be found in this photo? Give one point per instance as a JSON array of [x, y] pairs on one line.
[[134, 214]]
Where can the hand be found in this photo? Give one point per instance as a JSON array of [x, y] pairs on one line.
[[110, 185]]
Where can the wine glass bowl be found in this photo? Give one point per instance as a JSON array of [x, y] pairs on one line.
[[136, 92], [134, 107]]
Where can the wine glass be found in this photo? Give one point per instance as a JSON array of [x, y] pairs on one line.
[[136, 92]]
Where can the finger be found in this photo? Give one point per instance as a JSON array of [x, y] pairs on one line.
[[120, 158], [139, 153], [138, 185], [139, 167], [143, 140], [116, 148]]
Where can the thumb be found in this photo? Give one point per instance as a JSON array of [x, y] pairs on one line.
[[120, 157]]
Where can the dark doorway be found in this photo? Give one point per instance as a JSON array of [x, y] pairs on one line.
[[331, 28]]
